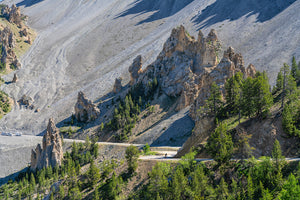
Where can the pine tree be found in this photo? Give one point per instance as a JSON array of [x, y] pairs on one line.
[[233, 87], [286, 72], [277, 156], [222, 190], [250, 187], [220, 144], [248, 100], [294, 68], [93, 174], [61, 191], [96, 194], [87, 142], [214, 101], [132, 155], [200, 182], [291, 189], [179, 184], [279, 80], [262, 95]]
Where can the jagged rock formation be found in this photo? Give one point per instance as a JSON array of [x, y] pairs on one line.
[[13, 14], [135, 69], [118, 85], [51, 153], [186, 68], [85, 110], [15, 78], [8, 56]]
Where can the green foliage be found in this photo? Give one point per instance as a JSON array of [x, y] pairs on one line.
[[126, 114], [188, 162], [214, 102], [220, 144], [93, 175], [75, 194], [291, 189], [4, 102], [291, 117], [132, 155]]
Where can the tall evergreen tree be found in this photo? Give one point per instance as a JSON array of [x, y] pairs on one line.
[[263, 97], [132, 155], [93, 174], [294, 68], [214, 102], [220, 144]]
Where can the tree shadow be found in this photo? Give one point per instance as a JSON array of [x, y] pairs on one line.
[[28, 3], [13, 176], [231, 10], [160, 8]]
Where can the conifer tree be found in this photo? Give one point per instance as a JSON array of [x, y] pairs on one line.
[[214, 101], [132, 155], [220, 144], [93, 174], [294, 68]]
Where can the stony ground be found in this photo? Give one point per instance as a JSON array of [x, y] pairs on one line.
[[85, 45]]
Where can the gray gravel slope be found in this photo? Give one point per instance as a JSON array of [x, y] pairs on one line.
[[86, 44]]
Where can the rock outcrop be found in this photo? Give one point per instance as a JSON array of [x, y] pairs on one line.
[[15, 78], [85, 109], [13, 14], [8, 56], [26, 101], [24, 32], [135, 70], [118, 85], [186, 68], [51, 152]]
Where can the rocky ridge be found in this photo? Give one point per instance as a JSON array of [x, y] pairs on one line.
[[187, 67], [8, 56], [85, 109], [13, 14], [51, 152]]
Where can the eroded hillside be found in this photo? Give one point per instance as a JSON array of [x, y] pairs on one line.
[[85, 45]]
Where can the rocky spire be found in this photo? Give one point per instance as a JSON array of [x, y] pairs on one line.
[[52, 153], [118, 85], [135, 69], [85, 109]]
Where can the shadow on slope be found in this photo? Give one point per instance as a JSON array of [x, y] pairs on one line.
[[161, 8], [171, 136], [234, 9], [28, 3], [13, 176]]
